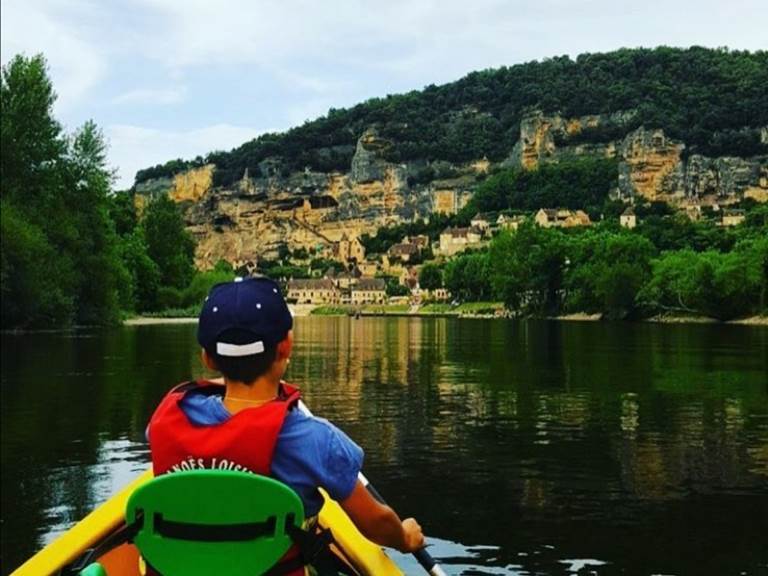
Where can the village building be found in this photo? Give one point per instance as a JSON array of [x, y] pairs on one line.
[[346, 279], [369, 291], [455, 240], [506, 222], [482, 221], [348, 250], [732, 217], [561, 218], [628, 219], [404, 252], [313, 291], [436, 295], [422, 241], [368, 267]]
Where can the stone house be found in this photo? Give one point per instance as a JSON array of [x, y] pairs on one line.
[[313, 291], [628, 219], [437, 295], [346, 279], [455, 240], [732, 217], [348, 250], [561, 218], [369, 291], [403, 252], [505, 222], [368, 267], [422, 241], [482, 221]]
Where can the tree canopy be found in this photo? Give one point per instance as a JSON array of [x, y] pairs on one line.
[[712, 99]]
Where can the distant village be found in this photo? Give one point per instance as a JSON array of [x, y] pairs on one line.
[[362, 282]]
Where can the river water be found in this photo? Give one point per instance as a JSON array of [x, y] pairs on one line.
[[522, 447]]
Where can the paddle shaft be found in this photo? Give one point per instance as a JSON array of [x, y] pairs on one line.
[[422, 556]]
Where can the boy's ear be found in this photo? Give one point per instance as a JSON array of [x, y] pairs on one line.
[[208, 362], [285, 346]]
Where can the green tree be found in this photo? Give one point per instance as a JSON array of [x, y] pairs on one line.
[[468, 276], [35, 283], [169, 245], [143, 273], [95, 251], [527, 269], [714, 284], [29, 134], [57, 189], [605, 271], [202, 283], [430, 277], [123, 212]]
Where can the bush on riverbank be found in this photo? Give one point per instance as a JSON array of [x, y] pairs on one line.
[[607, 270]]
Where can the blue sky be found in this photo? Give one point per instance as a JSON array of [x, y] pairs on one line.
[[177, 78]]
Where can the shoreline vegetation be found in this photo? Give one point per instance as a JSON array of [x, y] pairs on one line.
[[484, 310], [669, 266]]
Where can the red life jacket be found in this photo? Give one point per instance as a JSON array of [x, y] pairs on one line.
[[245, 442]]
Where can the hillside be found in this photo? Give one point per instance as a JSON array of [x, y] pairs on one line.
[[681, 125], [713, 100]]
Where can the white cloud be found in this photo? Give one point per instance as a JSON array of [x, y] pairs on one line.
[[30, 27], [132, 148], [297, 58], [149, 96]]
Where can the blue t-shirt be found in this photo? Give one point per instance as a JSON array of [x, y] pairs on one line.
[[310, 452]]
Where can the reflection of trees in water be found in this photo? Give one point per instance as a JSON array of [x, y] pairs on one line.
[[533, 423]]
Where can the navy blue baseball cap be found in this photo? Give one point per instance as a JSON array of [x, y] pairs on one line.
[[240, 318]]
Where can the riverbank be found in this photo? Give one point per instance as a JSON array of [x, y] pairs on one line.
[[467, 310]]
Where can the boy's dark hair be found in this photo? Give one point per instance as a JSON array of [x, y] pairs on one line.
[[242, 368]]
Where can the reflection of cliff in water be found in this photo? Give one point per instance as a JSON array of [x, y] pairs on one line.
[[614, 441]]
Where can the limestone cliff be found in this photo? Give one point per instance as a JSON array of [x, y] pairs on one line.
[[314, 210], [651, 164], [310, 210]]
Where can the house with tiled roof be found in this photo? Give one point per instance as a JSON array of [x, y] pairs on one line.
[[313, 291], [455, 240], [561, 218], [369, 291], [628, 219]]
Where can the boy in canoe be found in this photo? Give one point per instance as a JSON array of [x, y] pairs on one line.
[[252, 422]]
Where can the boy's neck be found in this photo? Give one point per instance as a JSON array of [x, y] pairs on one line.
[[263, 389]]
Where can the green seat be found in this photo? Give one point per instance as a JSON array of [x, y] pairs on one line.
[[205, 522]]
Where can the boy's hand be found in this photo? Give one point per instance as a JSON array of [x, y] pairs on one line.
[[414, 539]]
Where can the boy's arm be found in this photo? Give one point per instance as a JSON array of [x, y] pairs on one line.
[[379, 523]]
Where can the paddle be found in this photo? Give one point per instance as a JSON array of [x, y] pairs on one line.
[[422, 556]]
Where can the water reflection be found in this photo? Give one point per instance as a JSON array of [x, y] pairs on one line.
[[523, 447]]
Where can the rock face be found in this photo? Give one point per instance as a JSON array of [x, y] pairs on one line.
[[314, 210], [309, 210], [539, 136], [192, 185], [651, 164], [368, 164]]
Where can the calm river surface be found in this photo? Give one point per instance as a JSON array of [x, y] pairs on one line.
[[521, 447]]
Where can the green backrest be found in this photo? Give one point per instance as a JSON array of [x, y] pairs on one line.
[[204, 522]]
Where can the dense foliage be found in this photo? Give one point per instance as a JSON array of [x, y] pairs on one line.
[[72, 251], [579, 183], [713, 100], [707, 270], [59, 253]]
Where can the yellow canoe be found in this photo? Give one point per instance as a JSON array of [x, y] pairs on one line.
[[365, 557]]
